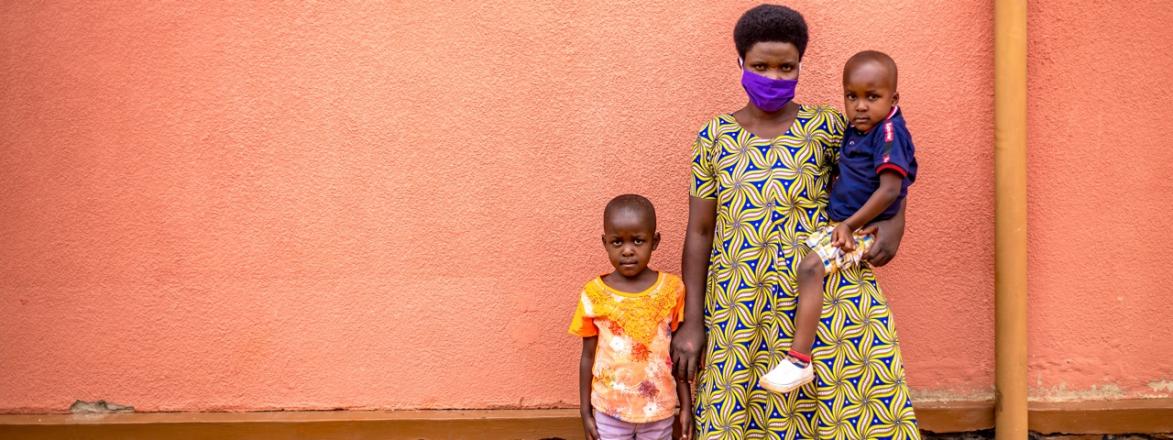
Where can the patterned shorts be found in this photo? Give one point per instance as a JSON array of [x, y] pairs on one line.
[[834, 258]]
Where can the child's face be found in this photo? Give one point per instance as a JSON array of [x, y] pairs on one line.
[[868, 95], [630, 238]]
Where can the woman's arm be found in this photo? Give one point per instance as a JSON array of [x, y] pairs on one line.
[[684, 394], [585, 377], [888, 235], [689, 338]]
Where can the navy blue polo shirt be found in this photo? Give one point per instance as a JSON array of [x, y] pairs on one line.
[[887, 146]]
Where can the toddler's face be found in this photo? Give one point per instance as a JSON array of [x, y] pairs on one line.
[[868, 95], [630, 239]]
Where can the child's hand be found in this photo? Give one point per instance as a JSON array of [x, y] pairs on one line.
[[588, 425], [843, 238]]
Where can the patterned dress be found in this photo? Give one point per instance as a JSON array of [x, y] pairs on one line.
[[771, 193]]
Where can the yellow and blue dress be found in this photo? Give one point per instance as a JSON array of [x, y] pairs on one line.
[[771, 194]]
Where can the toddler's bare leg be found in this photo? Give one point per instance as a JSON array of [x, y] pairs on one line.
[[810, 303]]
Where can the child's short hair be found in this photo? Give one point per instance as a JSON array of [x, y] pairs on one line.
[[634, 202], [770, 23], [874, 56]]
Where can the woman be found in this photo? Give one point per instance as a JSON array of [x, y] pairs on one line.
[[759, 186]]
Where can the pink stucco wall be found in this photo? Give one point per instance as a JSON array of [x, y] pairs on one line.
[[215, 206], [1101, 198]]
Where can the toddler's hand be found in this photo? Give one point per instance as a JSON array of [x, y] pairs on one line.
[[842, 237]]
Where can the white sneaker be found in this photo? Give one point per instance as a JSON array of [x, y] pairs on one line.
[[786, 377]]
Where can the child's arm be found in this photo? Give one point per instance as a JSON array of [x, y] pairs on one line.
[[585, 377], [684, 394], [889, 190]]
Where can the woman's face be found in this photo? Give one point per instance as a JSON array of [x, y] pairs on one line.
[[772, 59]]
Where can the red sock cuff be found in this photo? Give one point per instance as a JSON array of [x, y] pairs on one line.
[[800, 356]]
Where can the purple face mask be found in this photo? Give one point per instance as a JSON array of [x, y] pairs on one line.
[[768, 94]]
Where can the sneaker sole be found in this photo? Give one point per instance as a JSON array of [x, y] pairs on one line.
[[783, 389]]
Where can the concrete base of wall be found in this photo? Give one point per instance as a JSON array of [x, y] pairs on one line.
[[1139, 416], [1125, 416]]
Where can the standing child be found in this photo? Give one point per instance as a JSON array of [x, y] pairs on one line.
[[876, 166], [626, 319]]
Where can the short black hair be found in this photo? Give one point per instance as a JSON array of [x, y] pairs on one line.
[[634, 202], [872, 56], [770, 23]]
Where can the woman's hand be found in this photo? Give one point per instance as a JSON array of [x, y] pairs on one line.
[[684, 396], [686, 349], [888, 235], [685, 425]]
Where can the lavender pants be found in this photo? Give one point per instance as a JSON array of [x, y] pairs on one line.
[[611, 428]]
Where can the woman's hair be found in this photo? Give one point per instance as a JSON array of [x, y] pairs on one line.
[[770, 23]]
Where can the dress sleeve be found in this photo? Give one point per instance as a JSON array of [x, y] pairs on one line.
[[704, 182], [583, 322], [678, 309], [836, 127], [896, 151]]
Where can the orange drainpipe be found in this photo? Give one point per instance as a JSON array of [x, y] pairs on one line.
[[1010, 386]]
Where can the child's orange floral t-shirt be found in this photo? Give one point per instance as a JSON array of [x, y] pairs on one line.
[[633, 367]]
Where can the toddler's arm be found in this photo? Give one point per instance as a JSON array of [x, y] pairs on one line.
[[888, 192], [585, 376]]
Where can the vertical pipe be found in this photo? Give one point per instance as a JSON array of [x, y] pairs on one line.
[[1010, 406]]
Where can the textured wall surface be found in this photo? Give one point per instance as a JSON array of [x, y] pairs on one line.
[[239, 207], [1100, 199]]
